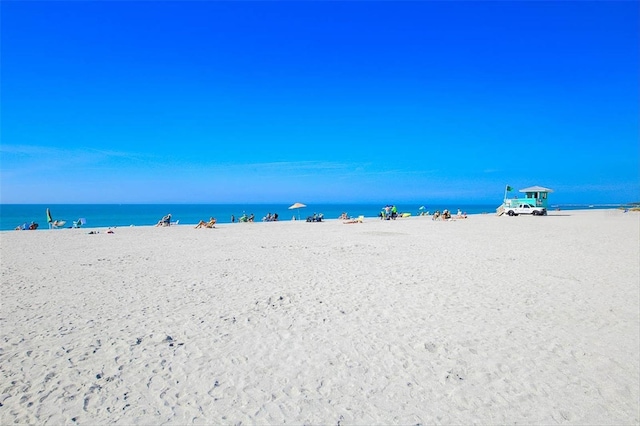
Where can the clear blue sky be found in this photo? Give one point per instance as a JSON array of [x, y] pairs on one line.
[[223, 102]]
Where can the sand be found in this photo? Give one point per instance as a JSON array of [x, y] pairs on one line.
[[485, 320]]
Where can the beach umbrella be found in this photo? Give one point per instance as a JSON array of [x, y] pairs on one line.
[[421, 208], [54, 223], [297, 206]]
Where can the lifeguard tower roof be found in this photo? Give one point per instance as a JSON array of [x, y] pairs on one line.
[[536, 189]]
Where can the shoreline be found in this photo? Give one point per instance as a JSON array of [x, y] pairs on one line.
[[99, 216], [328, 220]]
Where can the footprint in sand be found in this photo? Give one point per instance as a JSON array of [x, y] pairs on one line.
[[431, 347]]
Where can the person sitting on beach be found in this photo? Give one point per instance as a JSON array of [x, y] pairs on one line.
[[210, 224], [33, 226], [165, 221], [270, 217], [315, 218], [344, 216], [461, 215], [354, 220], [22, 227], [436, 215]]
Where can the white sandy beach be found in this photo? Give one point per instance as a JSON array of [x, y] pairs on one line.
[[485, 320]]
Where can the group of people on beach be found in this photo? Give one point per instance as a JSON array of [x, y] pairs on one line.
[[446, 215], [317, 217], [251, 218], [389, 211], [30, 227], [166, 220], [34, 225], [245, 218], [53, 224], [270, 217]]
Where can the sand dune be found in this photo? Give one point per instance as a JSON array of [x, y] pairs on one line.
[[489, 320]]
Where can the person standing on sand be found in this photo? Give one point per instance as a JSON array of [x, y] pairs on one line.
[[233, 219]]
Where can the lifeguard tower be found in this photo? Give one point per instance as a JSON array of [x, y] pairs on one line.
[[537, 196]]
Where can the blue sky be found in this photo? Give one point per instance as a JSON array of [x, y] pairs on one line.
[[326, 101]]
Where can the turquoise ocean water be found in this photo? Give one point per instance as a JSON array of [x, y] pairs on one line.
[[113, 215]]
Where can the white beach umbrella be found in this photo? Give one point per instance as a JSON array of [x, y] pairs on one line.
[[297, 206]]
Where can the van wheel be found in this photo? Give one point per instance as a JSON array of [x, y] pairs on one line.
[[510, 213]]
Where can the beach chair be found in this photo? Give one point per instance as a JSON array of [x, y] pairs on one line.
[[79, 223]]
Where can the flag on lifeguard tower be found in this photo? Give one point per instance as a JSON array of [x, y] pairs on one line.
[[507, 189]]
